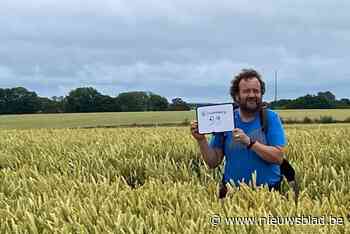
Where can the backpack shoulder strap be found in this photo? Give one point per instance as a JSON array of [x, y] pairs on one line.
[[263, 118]]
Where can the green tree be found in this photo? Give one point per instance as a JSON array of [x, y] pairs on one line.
[[280, 104], [157, 103], [327, 95], [82, 100], [132, 101], [50, 106], [18, 101], [311, 102], [105, 103], [179, 105]]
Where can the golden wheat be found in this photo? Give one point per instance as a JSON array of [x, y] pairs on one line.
[[152, 180]]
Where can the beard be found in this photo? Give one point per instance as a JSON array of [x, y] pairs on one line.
[[250, 105]]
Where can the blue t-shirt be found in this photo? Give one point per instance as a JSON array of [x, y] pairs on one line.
[[240, 162]]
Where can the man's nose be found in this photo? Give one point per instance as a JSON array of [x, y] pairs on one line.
[[251, 94]]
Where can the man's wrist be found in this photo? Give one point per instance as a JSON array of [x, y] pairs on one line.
[[200, 141], [247, 142], [251, 143]]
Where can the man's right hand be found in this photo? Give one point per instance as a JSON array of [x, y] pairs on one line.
[[195, 133], [212, 156]]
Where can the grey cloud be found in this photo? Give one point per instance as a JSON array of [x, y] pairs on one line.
[[53, 46]]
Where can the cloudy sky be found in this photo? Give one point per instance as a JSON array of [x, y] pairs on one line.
[[183, 48]]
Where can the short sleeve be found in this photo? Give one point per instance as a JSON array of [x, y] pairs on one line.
[[216, 140], [275, 132]]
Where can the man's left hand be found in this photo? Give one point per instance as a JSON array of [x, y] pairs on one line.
[[240, 136]]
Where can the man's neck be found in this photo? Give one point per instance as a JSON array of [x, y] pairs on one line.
[[246, 116]]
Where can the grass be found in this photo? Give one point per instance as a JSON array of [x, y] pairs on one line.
[[81, 120]]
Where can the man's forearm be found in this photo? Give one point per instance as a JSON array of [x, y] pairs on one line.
[[268, 153], [209, 155]]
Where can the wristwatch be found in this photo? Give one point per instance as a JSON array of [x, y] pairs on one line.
[[251, 143]]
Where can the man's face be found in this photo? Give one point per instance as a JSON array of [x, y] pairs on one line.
[[249, 96]]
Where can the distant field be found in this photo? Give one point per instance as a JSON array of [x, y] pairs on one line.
[[338, 114], [78, 120]]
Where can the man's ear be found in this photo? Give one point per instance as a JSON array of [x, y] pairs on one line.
[[237, 97]]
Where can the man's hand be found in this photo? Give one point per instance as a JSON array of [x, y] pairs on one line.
[[212, 156], [240, 136], [195, 133]]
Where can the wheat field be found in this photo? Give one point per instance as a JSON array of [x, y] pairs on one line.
[[152, 180]]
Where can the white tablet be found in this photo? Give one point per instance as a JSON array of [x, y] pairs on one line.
[[215, 118]]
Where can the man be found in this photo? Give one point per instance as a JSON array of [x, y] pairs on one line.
[[247, 148]]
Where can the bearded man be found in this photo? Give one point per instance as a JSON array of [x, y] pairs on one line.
[[247, 149]]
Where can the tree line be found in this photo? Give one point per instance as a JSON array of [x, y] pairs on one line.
[[19, 100], [323, 100]]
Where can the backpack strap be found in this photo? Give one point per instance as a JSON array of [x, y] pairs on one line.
[[263, 119]]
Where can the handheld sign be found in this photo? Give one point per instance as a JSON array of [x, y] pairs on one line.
[[215, 118]]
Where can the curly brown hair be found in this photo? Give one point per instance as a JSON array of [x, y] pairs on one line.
[[245, 74]]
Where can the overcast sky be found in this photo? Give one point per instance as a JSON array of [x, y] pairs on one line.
[[183, 48]]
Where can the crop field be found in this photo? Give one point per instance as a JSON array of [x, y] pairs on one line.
[[152, 180], [83, 120]]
